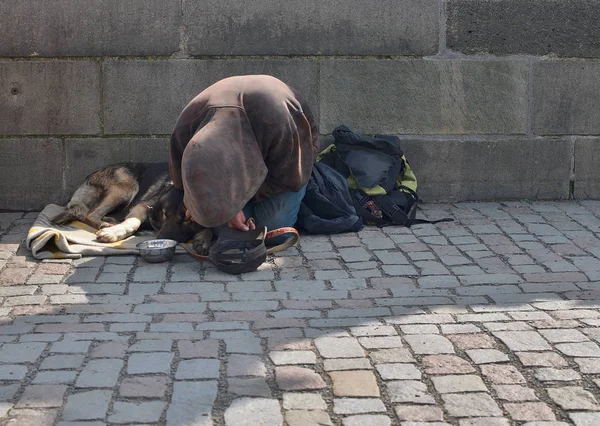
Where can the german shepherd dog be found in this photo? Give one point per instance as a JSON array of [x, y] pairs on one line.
[[121, 198]]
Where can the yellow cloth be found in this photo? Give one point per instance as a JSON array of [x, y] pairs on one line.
[[46, 240]]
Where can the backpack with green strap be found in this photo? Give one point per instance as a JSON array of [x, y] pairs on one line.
[[382, 183]]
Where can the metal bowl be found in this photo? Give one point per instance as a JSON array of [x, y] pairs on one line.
[[156, 251]]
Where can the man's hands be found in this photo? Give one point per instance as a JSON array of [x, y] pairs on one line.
[[238, 221]]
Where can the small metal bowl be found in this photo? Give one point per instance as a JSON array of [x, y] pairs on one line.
[[156, 251]]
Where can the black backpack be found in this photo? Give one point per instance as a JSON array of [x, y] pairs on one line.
[[380, 180]]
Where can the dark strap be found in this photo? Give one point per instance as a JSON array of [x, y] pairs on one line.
[[251, 252], [418, 221], [395, 213]]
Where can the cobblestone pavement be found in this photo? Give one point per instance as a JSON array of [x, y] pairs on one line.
[[493, 319]]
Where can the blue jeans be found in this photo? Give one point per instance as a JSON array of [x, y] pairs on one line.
[[276, 212]]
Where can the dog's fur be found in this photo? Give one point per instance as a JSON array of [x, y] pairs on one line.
[[121, 198]]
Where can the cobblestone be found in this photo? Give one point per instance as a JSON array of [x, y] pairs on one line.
[[89, 405], [502, 374], [330, 347], [197, 369], [143, 387], [140, 412], [297, 378], [409, 391], [302, 418], [54, 377], [42, 396], [253, 411], [21, 352], [100, 373], [419, 413], [191, 403], [446, 364], [242, 365], [357, 405], [471, 405], [573, 398], [487, 356], [429, 344], [398, 372], [145, 363], [490, 320], [458, 383], [354, 383], [340, 364], [514, 393], [556, 375]]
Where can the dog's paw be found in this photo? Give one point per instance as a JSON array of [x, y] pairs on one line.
[[104, 225], [202, 242], [109, 221], [110, 234]]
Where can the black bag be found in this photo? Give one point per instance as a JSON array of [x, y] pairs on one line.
[[327, 206], [380, 180]]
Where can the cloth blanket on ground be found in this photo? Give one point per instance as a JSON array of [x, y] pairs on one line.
[[46, 240]]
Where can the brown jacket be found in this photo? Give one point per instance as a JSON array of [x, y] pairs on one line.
[[243, 138]]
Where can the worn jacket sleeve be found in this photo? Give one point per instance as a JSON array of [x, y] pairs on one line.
[[179, 139], [314, 129], [290, 158]]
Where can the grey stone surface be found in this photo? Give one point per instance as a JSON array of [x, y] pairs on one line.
[[307, 417], [82, 28], [12, 372], [313, 27], [587, 158], [152, 362], [7, 392], [126, 412], [198, 369], [202, 393], [191, 403], [189, 413], [151, 387], [330, 347], [83, 156], [409, 391], [146, 97], [19, 353], [429, 344], [566, 97], [511, 168], [508, 358], [471, 404], [357, 405], [303, 401], [49, 98], [245, 365], [87, 405], [100, 373], [41, 183], [256, 386], [419, 96], [56, 376], [253, 411], [535, 27], [42, 396]]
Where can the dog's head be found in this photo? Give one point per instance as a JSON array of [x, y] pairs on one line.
[[167, 217]]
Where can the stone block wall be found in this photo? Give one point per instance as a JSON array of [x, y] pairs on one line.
[[493, 99]]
